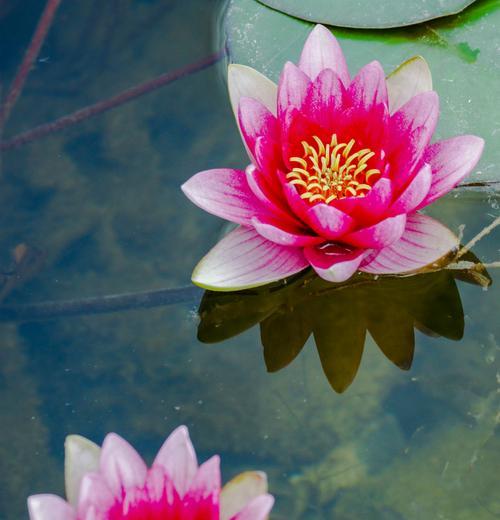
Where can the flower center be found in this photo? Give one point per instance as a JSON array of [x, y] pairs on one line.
[[333, 171]]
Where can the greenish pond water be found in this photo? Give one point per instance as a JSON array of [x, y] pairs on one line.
[[417, 441]]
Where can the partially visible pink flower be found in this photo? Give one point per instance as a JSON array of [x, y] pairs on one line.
[[114, 483], [339, 168]]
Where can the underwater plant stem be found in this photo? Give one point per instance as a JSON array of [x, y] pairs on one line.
[[110, 103], [100, 304], [29, 58]]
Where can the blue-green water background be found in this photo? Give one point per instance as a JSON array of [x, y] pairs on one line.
[[102, 200]]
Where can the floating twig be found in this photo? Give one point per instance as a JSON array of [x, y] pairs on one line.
[[29, 57], [485, 231], [110, 103]]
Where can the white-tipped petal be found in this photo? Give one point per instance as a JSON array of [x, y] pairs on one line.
[[409, 79], [240, 491], [81, 456], [243, 81]]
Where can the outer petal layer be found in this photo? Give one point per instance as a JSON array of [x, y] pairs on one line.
[[49, 507], [451, 160], [258, 509], [81, 457], [424, 241], [411, 78], [224, 193], [240, 491], [244, 259]]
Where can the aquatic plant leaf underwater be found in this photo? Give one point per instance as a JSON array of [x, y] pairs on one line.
[[113, 483], [339, 169], [388, 308]]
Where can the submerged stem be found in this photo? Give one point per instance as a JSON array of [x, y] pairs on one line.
[[110, 103]]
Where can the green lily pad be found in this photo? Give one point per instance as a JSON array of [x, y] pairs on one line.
[[462, 53], [367, 14]]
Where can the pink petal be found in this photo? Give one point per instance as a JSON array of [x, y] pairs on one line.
[[255, 120], [293, 238], [368, 88], [329, 222], [49, 507], [244, 259], [292, 88], [322, 51], [121, 466], [334, 263], [409, 79], [325, 99], [258, 509], [240, 491], [379, 235], [412, 127], [370, 208], [94, 495], [206, 483], [414, 193], [270, 194], [267, 154], [224, 193], [178, 459], [424, 241], [451, 160]]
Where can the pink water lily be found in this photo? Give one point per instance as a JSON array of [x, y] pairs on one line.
[[114, 483], [339, 168]]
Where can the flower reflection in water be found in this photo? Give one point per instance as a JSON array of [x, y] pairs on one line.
[[340, 315]]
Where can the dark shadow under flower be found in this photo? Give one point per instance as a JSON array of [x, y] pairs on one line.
[[339, 316]]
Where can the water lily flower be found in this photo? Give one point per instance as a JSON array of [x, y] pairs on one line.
[[339, 169], [114, 483]]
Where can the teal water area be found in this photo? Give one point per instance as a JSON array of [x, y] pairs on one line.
[[411, 433]]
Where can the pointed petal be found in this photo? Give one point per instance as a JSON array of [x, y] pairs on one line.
[[414, 193], [293, 238], [368, 88], [411, 129], [224, 193], [240, 491], [121, 466], [255, 121], [423, 242], [379, 235], [81, 456], [94, 495], [270, 194], [258, 509], [368, 209], [49, 507], [206, 482], [451, 160], [322, 51], [329, 222], [334, 263], [325, 99], [178, 459], [243, 81], [244, 259], [409, 79], [292, 88]]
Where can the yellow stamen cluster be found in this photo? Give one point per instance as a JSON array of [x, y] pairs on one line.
[[332, 171]]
